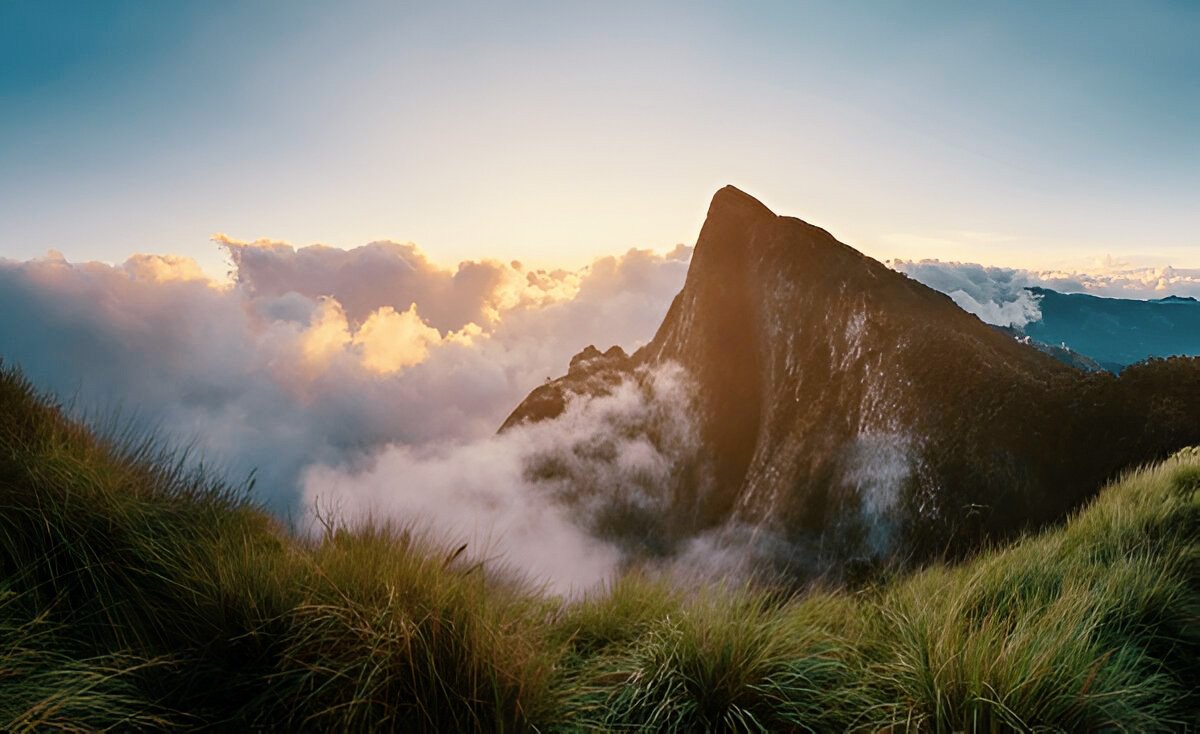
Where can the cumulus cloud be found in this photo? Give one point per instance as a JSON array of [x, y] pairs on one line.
[[1120, 280], [999, 296], [995, 295], [391, 274], [317, 356]]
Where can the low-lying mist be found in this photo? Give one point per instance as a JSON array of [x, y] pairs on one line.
[[566, 500]]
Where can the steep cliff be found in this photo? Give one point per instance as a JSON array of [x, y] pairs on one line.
[[861, 415]]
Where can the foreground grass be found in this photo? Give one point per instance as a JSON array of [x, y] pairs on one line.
[[137, 595]]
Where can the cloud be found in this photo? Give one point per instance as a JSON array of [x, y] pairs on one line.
[[995, 295], [162, 268], [565, 500], [998, 296], [1119, 280], [274, 372], [391, 274]]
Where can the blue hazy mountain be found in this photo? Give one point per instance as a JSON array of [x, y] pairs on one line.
[[1117, 332]]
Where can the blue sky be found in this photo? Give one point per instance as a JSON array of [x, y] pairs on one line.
[[1025, 134]]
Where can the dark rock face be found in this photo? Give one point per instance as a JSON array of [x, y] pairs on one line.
[[862, 415], [590, 373]]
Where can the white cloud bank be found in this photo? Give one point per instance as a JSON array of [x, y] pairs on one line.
[[998, 296], [317, 355]]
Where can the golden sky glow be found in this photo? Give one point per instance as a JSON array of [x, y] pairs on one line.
[[1016, 134]]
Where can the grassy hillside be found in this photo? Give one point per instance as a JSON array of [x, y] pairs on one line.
[[135, 594]]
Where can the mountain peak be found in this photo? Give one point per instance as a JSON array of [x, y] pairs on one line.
[[723, 243], [732, 200], [863, 415]]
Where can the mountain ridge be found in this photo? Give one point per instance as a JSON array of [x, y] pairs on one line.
[[1116, 332]]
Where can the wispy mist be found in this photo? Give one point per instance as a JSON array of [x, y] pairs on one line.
[[565, 500]]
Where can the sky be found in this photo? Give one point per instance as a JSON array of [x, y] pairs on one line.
[[332, 246], [1024, 134]]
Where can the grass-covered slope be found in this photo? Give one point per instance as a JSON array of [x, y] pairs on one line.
[[136, 595]]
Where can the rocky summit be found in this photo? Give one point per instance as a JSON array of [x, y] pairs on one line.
[[864, 417]]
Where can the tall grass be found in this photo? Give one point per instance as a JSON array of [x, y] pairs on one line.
[[723, 660], [137, 594], [182, 591], [50, 682]]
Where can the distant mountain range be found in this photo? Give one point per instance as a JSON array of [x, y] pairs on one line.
[[1117, 332], [863, 416]]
